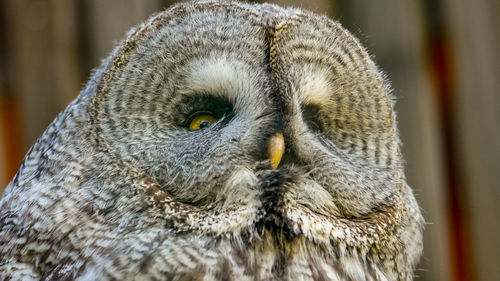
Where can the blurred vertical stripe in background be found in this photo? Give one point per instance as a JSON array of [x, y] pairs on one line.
[[441, 57], [10, 136], [11, 149]]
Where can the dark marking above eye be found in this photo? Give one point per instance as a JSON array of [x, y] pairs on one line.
[[190, 106]]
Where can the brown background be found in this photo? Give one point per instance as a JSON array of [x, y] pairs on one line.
[[443, 58]]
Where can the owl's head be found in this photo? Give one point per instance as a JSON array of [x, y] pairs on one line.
[[231, 120]]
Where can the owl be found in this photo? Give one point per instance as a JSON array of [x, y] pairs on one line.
[[219, 141]]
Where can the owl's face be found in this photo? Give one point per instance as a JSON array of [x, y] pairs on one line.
[[194, 99], [194, 106]]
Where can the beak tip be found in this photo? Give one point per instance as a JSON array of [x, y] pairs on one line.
[[276, 149]]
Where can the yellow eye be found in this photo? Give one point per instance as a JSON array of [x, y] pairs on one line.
[[201, 121]]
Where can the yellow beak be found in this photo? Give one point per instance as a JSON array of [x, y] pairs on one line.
[[276, 149]]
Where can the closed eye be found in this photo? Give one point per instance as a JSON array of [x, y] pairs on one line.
[[312, 116]]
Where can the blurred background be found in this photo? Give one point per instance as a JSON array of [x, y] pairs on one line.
[[442, 57]]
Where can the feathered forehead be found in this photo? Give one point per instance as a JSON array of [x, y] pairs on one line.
[[237, 23]]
